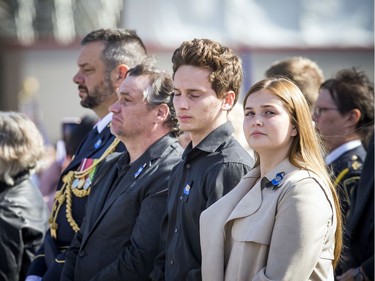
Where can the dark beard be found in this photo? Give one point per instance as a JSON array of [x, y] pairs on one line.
[[98, 95], [90, 101]]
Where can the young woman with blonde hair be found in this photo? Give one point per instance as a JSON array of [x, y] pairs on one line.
[[282, 221]]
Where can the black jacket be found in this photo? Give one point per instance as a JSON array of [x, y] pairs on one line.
[[360, 224], [207, 172], [23, 222], [120, 235]]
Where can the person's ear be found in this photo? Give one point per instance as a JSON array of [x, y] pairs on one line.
[[162, 113], [354, 116], [228, 101], [119, 74], [294, 131]]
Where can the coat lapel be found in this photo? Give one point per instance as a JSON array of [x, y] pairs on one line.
[[102, 188], [115, 192], [251, 200], [140, 169], [213, 237]]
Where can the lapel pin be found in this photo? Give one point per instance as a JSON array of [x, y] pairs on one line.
[[275, 183], [139, 171], [187, 190], [98, 143]]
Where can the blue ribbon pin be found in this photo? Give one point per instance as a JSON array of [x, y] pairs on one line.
[[97, 143], [139, 171], [275, 183]]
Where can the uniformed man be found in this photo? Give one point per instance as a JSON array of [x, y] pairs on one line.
[[358, 263], [346, 171], [343, 114], [106, 56]]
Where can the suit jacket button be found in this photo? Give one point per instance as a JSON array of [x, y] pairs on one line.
[[82, 253]]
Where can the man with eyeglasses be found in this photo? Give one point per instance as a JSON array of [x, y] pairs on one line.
[[344, 117], [319, 110]]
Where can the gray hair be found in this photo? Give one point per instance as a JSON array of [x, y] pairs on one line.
[[122, 46], [159, 91], [21, 146]]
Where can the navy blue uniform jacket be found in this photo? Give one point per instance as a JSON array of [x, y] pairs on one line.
[[359, 250], [50, 257]]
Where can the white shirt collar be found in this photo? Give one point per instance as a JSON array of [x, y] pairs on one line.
[[102, 123], [336, 153]]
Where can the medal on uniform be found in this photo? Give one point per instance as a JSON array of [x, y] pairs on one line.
[[87, 183], [75, 183], [81, 183]]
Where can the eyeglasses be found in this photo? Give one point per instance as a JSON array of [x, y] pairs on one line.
[[319, 110]]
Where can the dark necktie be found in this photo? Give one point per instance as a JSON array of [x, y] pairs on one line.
[[90, 141]]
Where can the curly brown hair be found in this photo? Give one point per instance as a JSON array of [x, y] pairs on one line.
[[225, 66]]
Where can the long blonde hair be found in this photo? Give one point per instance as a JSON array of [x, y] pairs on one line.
[[306, 150]]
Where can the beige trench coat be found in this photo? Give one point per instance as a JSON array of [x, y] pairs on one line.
[[256, 233]]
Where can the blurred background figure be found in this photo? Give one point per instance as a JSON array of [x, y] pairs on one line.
[[344, 116], [304, 72], [23, 213]]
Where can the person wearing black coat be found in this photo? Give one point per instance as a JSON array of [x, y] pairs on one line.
[[358, 257], [23, 212], [120, 235]]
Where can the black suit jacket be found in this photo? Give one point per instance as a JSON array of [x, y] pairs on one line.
[[360, 224], [23, 222], [51, 255], [120, 236]]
